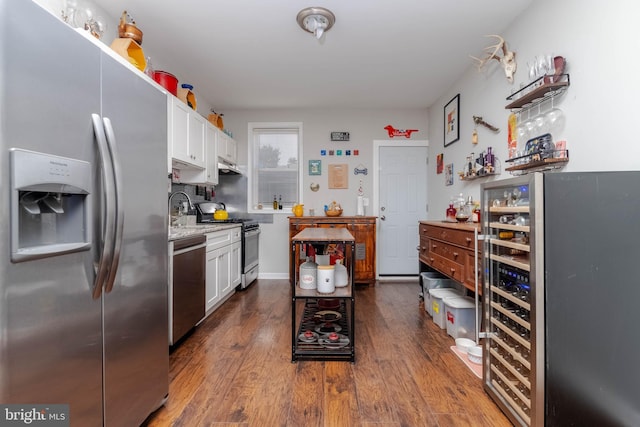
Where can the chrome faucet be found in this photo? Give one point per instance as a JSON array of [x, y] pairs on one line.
[[185, 195]]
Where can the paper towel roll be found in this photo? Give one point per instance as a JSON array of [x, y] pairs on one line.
[[360, 206]]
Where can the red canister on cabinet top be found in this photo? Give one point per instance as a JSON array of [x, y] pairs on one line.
[[167, 80]]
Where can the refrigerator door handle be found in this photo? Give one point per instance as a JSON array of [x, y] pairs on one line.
[[117, 194], [102, 268]]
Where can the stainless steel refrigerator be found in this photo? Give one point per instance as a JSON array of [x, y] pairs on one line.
[[561, 298], [83, 225]]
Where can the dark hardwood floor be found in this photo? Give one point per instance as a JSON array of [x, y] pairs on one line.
[[235, 369]]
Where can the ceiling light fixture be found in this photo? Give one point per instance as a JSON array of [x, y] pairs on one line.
[[316, 20]]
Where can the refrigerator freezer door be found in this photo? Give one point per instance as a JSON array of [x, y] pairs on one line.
[[50, 326], [136, 351], [58, 342]]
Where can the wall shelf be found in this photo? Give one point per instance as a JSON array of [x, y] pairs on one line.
[[474, 177], [533, 162], [537, 91]]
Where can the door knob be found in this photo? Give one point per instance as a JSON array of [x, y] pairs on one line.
[[382, 218], [382, 208]]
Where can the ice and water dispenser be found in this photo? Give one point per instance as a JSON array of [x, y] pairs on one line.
[[50, 209]]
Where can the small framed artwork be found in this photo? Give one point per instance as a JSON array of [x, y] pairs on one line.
[[439, 163], [315, 167], [448, 174], [452, 121]]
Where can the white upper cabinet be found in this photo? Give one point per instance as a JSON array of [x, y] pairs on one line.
[[211, 151], [186, 136], [227, 149]]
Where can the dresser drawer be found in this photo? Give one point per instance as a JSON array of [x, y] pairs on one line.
[[454, 253], [448, 267], [455, 237], [423, 250]]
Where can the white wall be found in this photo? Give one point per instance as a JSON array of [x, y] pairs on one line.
[[364, 127], [601, 41]]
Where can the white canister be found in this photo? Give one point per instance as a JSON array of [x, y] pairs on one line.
[[308, 274], [325, 279], [341, 278]]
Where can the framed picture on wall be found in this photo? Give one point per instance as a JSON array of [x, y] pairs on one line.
[[452, 121], [448, 174], [315, 167]]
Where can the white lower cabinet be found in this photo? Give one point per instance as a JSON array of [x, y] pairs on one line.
[[212, 294], [223, 274], [236, 263]]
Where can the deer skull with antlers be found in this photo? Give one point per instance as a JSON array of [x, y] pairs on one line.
[[508, 60]]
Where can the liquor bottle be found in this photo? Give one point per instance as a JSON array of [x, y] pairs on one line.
[[280, 202], [489, 157], [275, 203], [451, 212]]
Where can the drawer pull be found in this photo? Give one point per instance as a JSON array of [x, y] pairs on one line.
[[469, 239], [453, 271], [455, 254]]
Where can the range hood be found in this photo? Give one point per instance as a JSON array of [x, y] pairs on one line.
[[228, 169]]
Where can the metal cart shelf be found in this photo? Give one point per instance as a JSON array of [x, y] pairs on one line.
[[306, 303]]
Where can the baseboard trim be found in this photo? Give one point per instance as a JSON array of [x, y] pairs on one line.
[[407, 278]]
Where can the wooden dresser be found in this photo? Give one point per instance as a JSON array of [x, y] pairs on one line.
[[450, 249], [363, 229]]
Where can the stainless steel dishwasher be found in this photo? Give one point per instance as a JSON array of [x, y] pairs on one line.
[[187, 293]]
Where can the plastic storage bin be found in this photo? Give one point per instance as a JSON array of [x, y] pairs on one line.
[[425, 276], [437, 305], [459, 314], [434, 281]]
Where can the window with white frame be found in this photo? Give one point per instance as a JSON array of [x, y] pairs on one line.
[[275, 152]]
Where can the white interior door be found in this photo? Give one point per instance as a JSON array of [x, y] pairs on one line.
[[402, 203]]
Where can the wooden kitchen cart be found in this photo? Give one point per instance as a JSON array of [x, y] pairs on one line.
[[451, 249], [309, 307], [363, 229]]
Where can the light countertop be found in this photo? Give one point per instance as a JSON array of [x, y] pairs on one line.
[[190, 230]]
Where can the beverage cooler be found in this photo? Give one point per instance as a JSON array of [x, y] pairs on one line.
[[560, 297]]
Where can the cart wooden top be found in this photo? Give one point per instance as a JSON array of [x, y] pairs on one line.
[[322, 234]]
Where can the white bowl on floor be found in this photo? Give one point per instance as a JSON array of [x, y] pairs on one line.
[[464, 344], [475, 354]]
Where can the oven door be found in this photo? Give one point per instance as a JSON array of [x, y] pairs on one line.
[[250, 249]]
